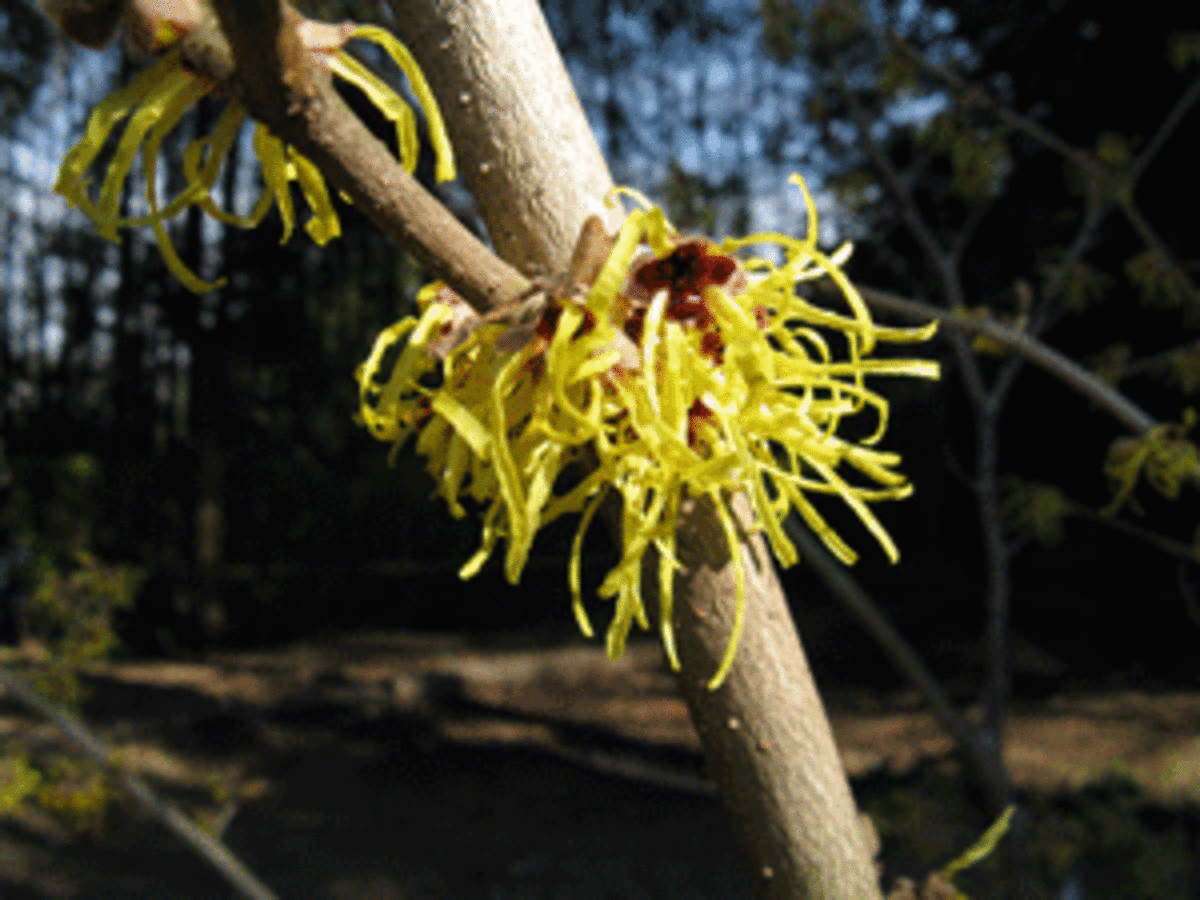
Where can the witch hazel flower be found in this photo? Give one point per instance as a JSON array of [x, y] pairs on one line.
[[682, 371], [146, 110]]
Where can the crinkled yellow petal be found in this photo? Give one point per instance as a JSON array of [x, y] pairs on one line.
[[739, 603], [168, 117], [272, 157], [385, 100], [575, 563], [749, 399], [157, 104], [324, 225], [72, 174], [444, 166]]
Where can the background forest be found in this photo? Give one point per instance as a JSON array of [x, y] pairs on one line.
[[1025, 164]]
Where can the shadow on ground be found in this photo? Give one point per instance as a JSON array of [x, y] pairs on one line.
[[398, 766]]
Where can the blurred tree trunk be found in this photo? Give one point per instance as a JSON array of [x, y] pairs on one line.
[[527, 154], [131, 415], [207, 398]]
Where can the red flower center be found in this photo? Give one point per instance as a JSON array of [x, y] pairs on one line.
[[685, 272]]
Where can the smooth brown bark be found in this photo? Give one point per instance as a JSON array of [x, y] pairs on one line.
[[523, 143], [765, 734]]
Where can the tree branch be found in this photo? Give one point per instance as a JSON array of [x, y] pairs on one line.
[[939, 259], [847, 591], [264, 67], [1165, 130], [1065, 369], [211, 850], [764, 732]]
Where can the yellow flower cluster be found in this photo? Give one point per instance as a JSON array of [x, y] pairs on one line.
[[683, 372], [155, 101]]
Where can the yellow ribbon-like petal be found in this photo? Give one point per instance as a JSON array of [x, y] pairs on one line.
[[735, 388]]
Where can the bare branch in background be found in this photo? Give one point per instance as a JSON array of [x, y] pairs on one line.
[[201, 842], [1130, 415]]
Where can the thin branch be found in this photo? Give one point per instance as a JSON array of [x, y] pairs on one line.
[[847, 591], [938, 257], [282, 87], [974, 95], [1075, 376], [1165, 130], [967, 230], [1160, 542], [1094, 215], [998, 579], [1002, 384], [1156, 362], [969, 371], [1156, 244], [202, 843]]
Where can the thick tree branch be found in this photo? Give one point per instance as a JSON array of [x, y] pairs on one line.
[[766, 740], [522, 140], [764, 732]]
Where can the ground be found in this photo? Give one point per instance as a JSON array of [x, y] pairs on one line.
[[424, 766]]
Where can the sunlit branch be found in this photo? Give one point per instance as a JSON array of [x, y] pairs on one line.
[[281, 87]]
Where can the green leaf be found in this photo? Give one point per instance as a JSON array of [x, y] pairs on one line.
[[18, 780], [1160, 283], [1184, 368], [1183, 49], [1077, 286]]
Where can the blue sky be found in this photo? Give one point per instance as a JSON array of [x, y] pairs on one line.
[[710, 107]]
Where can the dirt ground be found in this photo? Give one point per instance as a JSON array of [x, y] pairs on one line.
[[417, 766]]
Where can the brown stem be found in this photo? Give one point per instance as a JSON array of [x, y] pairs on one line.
[[1075, 376], [766, 739], [519, 133], [282, 87]]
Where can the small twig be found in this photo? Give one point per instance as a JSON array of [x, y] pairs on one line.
[[1165, 130], [1178, 549], [215, 853], [1075, 376], [939, 259], [1156, 244], [1094, 215], [977, 96], [967, 230], [974, 95], [847, 591], [1156, 362]]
